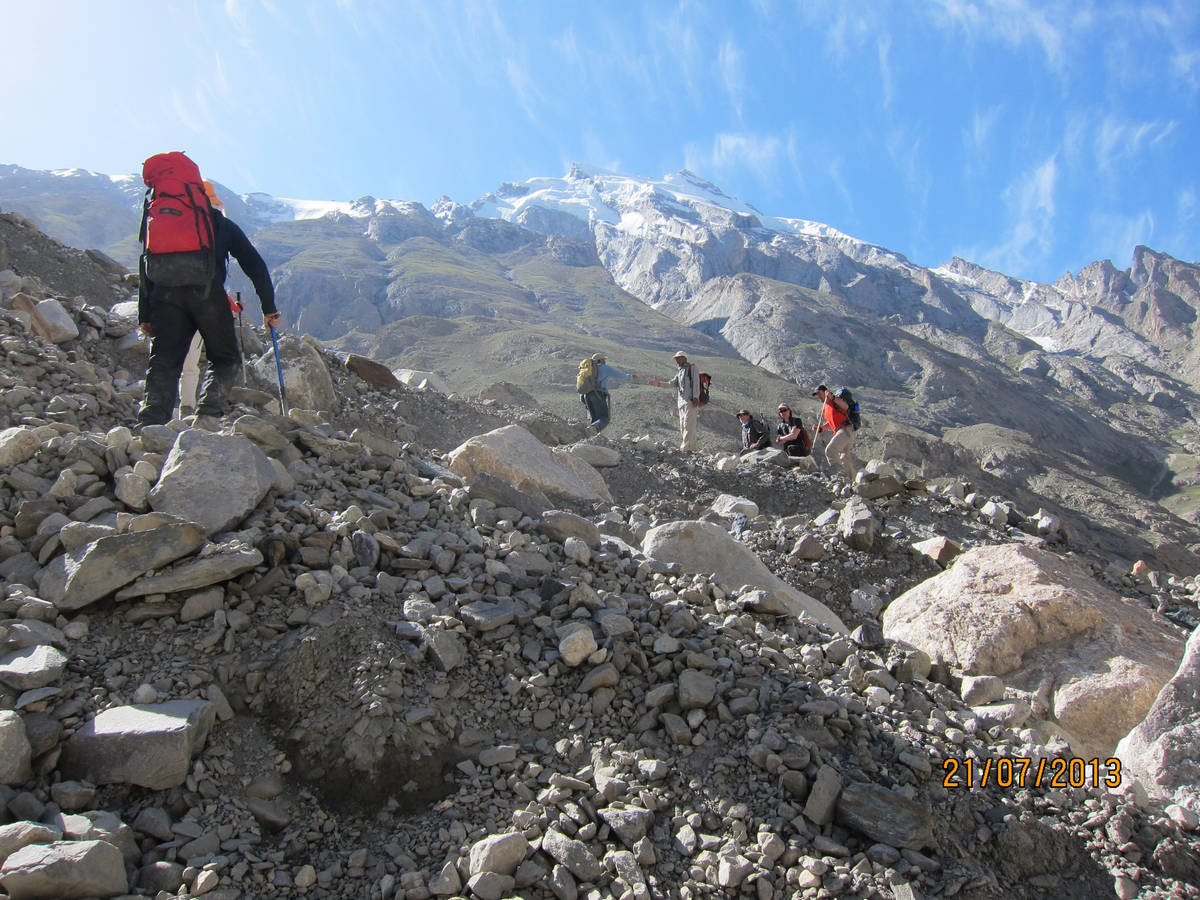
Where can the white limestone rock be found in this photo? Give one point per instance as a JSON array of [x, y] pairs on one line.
[[705, 547]]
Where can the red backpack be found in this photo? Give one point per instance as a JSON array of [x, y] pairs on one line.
[[177, 223]]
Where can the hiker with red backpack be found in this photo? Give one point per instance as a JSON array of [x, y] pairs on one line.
[[687, 389], [836, 416], [181, 288]]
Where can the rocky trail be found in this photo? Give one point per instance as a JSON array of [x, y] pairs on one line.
[[403, 645]]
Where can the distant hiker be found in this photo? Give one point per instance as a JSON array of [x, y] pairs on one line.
[[687, 389], [186, 244], [593, 383], [754, 433], [836, 419], [790, 435]]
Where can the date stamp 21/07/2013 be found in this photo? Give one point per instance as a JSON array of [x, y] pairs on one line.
[[1027, 772]]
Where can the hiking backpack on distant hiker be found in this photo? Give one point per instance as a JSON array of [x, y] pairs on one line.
[[587, 381], [705, 383], [852, 410], [177, 223]]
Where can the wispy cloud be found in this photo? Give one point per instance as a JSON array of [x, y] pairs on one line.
[[886, 80], [524, 87], [568, 46], [845, 34], [1118, 141], [978, 137], [1115, 235], [1013, 21], [239, 17], [1030, 203], [759, 154], [1185, 64], [1186, 206], [905, 152], [598, 153], [729, 62], [236, 13]]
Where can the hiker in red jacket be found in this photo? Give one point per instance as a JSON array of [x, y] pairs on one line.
[[836, 419]]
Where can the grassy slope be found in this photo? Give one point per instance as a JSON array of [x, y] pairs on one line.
[[542, 319]]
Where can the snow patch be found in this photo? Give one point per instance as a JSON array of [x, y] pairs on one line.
[[1049, 344]]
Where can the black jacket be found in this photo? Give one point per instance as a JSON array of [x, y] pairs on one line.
[[228, 239], [754, 435], [801, 445]]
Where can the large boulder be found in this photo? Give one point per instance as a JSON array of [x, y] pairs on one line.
[[857, 524], [215, 480], [420, 380], [223, 564], [514, 455], [56, 321], [64, 869], [701, 547], [596, 455], [306, 378], [149, 745], [373, 373], [81, 577], [1163, 751], [1090, 662], [15, 751], [507, 394], [32, 667], [17, 444]]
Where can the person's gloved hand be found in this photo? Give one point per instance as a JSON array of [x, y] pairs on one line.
[[147, 328], [272, 320]]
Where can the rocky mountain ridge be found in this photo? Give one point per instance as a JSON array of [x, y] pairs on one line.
[[367, 667], [1080, 390]]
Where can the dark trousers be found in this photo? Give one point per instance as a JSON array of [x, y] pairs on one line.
[[176, 315], [597, 407]]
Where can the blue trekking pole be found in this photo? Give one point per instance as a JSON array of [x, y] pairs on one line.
[[283, 408]]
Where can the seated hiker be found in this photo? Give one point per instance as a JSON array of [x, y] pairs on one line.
[[754, 433], [597, 400], [791, 436]]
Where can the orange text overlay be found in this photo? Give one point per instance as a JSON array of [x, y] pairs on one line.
[[1026, 772]]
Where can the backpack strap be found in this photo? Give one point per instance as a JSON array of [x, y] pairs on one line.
[[145, 216]]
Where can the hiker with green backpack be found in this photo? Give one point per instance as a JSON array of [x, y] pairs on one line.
[[592, 382]]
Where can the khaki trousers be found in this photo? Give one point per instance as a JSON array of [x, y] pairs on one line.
[[837, 451], [687, 426]]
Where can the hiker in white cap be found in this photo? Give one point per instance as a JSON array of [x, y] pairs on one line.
[[687, 387]]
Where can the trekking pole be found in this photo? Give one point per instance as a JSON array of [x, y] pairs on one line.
[[237, 300], [815, 437], [283, 408]]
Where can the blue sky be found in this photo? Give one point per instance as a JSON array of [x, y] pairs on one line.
[[1030, 137]]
